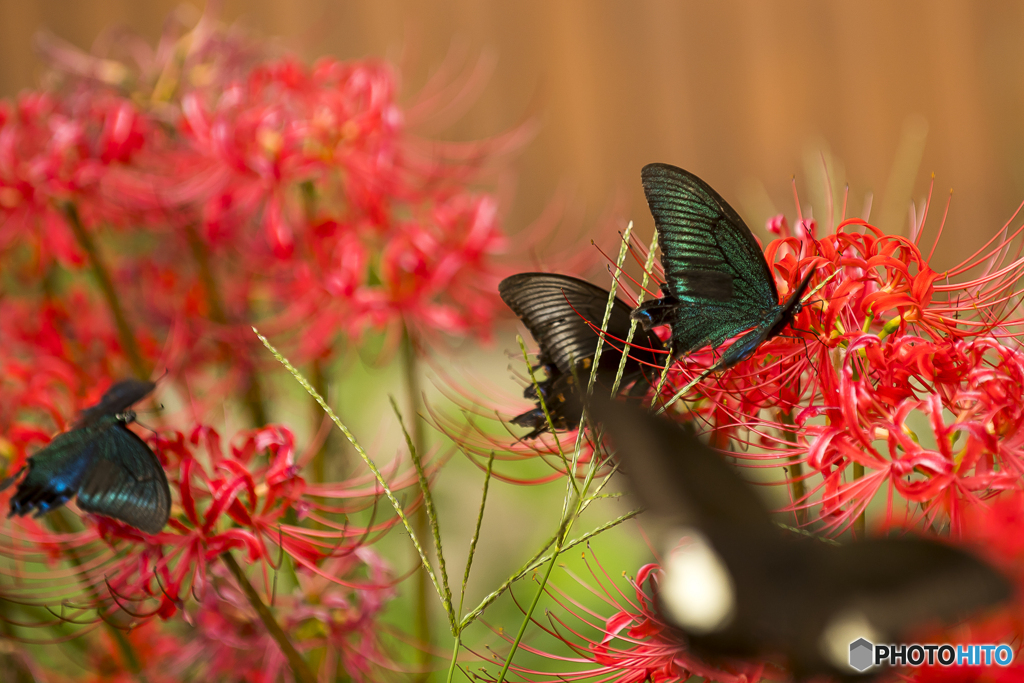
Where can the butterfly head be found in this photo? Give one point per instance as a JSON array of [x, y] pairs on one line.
[[125, 416]]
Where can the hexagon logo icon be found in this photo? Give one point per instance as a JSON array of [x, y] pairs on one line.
[[861, 654]]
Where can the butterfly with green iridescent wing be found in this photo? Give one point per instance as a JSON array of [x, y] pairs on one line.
[[717, 280], [111, 470]]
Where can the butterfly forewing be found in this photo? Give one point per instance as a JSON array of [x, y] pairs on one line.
[[702, 238], [674, 474], [899, 583], [718, 281], [118, 398], [126, 482]]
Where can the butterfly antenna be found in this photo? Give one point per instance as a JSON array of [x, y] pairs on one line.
[[597, 329], [143, 425]]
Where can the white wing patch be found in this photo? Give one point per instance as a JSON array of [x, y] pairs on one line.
[[697, 591]]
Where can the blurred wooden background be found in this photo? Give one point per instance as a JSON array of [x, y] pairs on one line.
[[744, 93]]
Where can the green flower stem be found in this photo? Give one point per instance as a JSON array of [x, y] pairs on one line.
[[639, 300], [320, 459], [99, 268], [796, 468], [61, 524], [529, 615], [457, 628], [421, 606], [582, 539], [300, 669], [254, 399], [455, 657], [860, 524], [304, 383], [428, 505], [476, 531], [576, 497]]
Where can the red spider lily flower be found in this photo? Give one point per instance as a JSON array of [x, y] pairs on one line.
[[480, 427], [254, 188], [892, 369], [158, 651], [239, 500], [631, 646], [56, 150], [337, 622]]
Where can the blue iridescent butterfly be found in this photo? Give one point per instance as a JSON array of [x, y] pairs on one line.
[[717, 280], [110, 469]]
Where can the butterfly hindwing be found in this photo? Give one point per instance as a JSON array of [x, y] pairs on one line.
[[563, 315], [898, 583], [54, 474], [126, 482]]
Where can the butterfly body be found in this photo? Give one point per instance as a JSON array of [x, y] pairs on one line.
[[735, 585], [561, 313], [717, 280], [102, 462]]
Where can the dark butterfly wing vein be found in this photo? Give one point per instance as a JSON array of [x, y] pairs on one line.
[[707, 250], [551, 307]]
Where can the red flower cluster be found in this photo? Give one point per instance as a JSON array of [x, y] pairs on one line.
[[894, 377], [893, 381], [245, 189], [227, 502], [152, 210]]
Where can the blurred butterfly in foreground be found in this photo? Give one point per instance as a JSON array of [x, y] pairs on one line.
[[717, 280], [558, 310], [739, 586], [111, 470]]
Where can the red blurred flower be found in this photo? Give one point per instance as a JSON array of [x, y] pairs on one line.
[[631, 646]]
